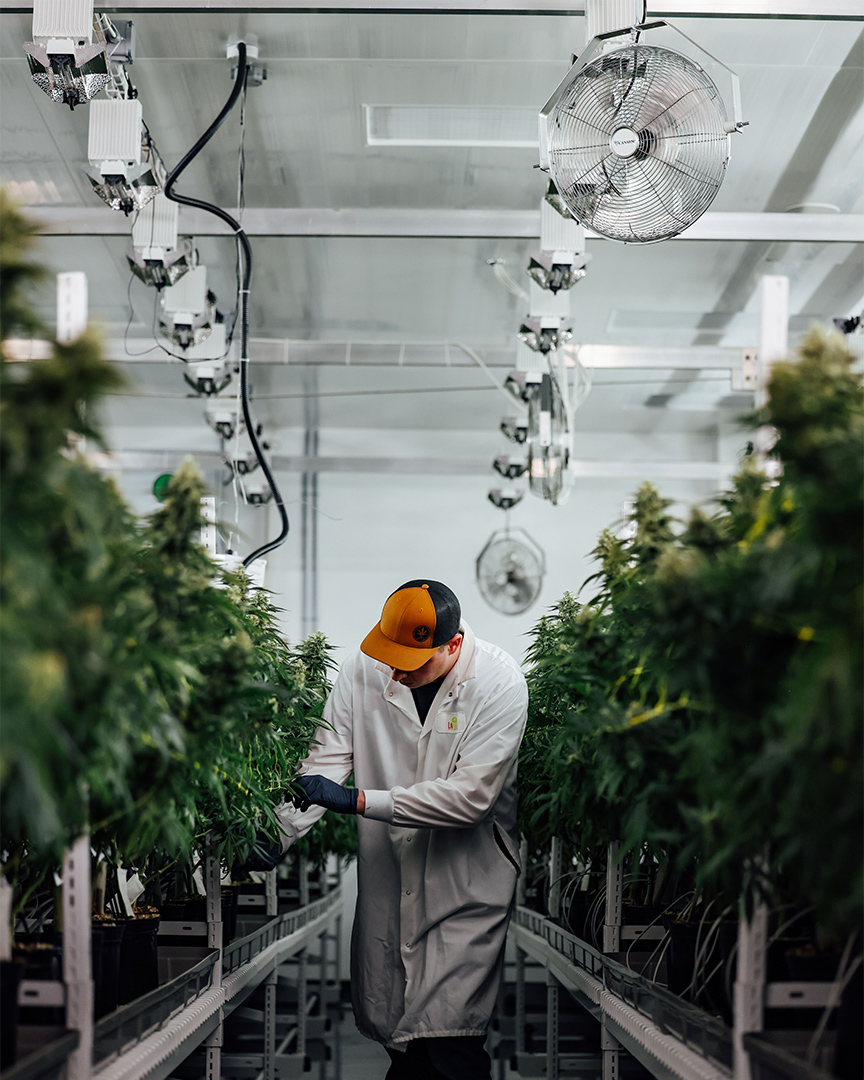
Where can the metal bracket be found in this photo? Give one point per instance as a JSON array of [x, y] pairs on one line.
[[747, 376], [610, 1047]]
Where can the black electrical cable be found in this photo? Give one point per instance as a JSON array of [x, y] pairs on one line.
[[243, 297]]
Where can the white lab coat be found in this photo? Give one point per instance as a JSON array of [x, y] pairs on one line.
[[438, 856]]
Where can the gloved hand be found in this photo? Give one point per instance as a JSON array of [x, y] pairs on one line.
[[323, 792], [264, 856]]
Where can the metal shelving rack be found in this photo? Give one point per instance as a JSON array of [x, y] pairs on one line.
[[152, 1036], [672, 1038], [246, 964]]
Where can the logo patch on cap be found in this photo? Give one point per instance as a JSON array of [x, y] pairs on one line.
[[421, 633]]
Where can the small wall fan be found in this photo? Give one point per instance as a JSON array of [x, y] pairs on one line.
[[510, 571], [636, 139]]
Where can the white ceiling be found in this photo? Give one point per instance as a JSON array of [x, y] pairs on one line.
[[802, 84]]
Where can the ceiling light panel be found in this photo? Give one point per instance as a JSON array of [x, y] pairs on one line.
[[450, 125]]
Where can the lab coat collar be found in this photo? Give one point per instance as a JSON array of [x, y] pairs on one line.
[[463, 670]]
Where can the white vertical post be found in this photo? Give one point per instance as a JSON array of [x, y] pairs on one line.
[[609, 1047], [552, 1028], [71, 306], [302, 965], [749, 996], [270, 1026], [555, 861], [773, 330], [271, 894], [208, 528], [614, 896], [213, 893], [6, 894], [77, 973], [773, 346]]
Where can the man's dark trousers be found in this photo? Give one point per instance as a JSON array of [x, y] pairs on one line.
[[454, 1057]]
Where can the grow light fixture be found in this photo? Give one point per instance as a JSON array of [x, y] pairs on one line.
[[157, 255], [188, 310], [209, 377], [505, 499], [242, 460], [125, 168], [562, 260], [64, 59], [257, 494], [523, 385], [545, 333], [515, 428], [223, 419], [511, 468]]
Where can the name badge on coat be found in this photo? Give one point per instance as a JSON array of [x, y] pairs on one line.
[[450, 723]]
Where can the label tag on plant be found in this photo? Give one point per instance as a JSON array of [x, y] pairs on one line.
[[450, 723]]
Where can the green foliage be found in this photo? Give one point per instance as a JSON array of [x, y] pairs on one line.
[[709, 701], [144, 698], [17, 272]]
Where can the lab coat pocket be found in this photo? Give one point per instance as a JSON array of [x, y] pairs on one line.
[[507, 848]]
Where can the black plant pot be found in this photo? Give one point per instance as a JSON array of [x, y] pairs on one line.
[[681, 953], [639, 914], [10, 976], [106, 975], [42, 963], [810, 965], [139, 959], [849, 1049]]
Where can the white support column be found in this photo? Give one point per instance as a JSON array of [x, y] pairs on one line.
[[555, 861], [77, 974], [271, 894], [270, 1026], [773, 329], [208, 527], [552, 1028], [614, 896], [749, 996], [213, 894], [302, 966], [71, 306], [6, 896], [610, 1048], [773, 346]]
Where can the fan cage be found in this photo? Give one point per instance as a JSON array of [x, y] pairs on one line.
[[509, 573], [678, 117]]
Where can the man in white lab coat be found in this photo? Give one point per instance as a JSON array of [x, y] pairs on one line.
[[430, 720]]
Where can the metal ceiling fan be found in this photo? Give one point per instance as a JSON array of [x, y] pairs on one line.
[[636, 137]]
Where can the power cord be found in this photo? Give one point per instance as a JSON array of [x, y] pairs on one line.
[[243, 294]]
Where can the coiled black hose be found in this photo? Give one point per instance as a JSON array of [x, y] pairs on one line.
[[243, 299]]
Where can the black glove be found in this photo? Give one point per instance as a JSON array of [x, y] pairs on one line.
[[323, 792], [264, 856]]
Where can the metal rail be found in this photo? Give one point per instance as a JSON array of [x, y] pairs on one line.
[[458, 224], [679, 9], [669, 1036], [245, 964]]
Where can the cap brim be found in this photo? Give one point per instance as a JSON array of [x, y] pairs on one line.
[[402, 657]]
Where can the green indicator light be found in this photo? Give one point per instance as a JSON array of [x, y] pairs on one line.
[[160, 486]]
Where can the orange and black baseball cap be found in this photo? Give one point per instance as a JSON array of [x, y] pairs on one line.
[[417, 619]]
